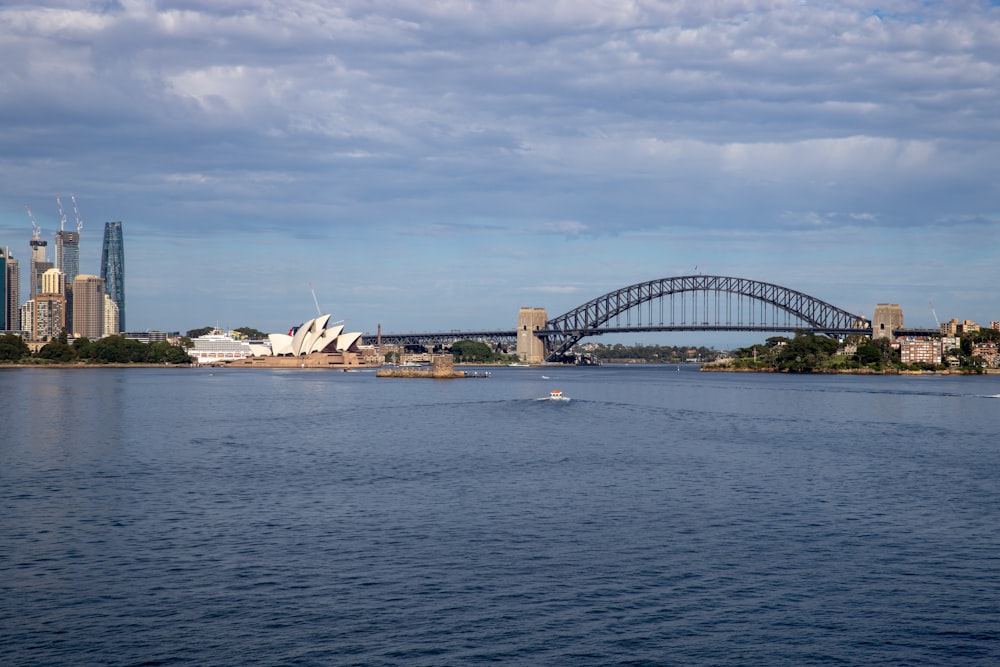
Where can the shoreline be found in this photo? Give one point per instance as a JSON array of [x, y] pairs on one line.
[[849, 371], [705, 368]]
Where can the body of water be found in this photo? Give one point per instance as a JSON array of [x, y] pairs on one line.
[[661, 516]]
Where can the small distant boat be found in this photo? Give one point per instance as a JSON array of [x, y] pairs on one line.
[[557, 395]]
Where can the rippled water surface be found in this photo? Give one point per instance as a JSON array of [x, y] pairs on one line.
[[661, 516]]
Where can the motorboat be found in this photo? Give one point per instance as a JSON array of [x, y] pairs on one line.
[[557, 395]]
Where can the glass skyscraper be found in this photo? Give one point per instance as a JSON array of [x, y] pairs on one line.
[[4, 325], [113, 268], [68, 254]]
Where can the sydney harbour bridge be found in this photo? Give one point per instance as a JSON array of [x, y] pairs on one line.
[[681, 303]]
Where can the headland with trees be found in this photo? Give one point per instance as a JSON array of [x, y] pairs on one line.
[[107, 350], [812, 353]]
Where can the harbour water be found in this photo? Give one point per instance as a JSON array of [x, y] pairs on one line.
[[659, 517]]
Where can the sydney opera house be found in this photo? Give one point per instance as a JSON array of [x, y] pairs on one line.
[[315, 344]]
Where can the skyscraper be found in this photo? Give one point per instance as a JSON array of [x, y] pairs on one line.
[[39, 265], [110, 317], [68, 254], [88, 306], [4, 312], [113, 268], [10, 292], [49, 316]]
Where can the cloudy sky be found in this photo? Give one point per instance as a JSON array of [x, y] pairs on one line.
[[437, 164]]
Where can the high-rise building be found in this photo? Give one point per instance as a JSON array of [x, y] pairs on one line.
[[28, 317], [50, 307], [39, 265], [68, 254], [54, 282], [4, 313], [49, 316], [13, 291], [10, 292], [113, 268], [88, 306], [110, 317]]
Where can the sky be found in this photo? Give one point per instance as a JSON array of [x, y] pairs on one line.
[[431, 165]]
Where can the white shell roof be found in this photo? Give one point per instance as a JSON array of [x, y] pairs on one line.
[[313, 336]]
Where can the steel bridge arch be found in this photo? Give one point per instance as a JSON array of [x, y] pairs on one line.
[[592, 318]]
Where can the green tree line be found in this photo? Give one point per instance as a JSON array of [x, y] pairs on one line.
[[475, 352], [110, 349], [811, 353], [667, 354]]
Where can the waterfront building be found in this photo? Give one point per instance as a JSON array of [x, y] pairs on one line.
[[988, 351], [113, 267], [949, 343], [146, 337], [68, 253], [920, 350], [88, 306], [49, 314], [314, 344]]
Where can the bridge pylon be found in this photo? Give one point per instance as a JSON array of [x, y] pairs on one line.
[[531, 348]]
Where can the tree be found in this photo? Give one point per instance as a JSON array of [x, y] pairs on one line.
[[251, 333], [471, 351], [57, 350], [13, 348], [806, 352], [877, 351], [165, 353], [82, 346], [194, 333]]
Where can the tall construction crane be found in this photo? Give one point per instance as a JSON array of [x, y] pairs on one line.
[[76, 214], [35, 231], [62, 215]]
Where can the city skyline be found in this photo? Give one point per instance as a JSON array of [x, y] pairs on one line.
[[432, 167]]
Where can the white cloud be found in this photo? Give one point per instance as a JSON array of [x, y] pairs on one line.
[[495, 125], [554, 289]]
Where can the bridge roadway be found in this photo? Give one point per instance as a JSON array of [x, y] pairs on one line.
[[509, 336], [681, 303]]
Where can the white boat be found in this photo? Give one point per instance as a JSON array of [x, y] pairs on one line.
[[218, 347], [557, 395]]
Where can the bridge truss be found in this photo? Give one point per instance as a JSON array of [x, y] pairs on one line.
[[682, 303], [698, 303]]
